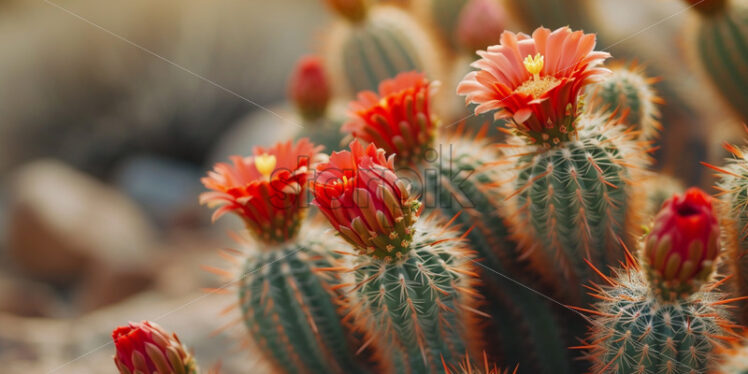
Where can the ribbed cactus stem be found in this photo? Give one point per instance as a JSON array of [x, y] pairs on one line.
[[633, 332], [628, 97], [464, 185], [571, 204], [733, 182], [416, 306], [389, 41], [721, 43], [291, 309]]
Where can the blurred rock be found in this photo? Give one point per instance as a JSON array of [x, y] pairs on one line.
[[82, 345], [65, 224], [73, 90], [166, 189], [27, 298]]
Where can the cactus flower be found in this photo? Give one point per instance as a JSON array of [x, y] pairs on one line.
[[365, 201], [480, 24], [146, 348], [680, 251], [398, 119], [535, 81], [266, 190], [309, 88]]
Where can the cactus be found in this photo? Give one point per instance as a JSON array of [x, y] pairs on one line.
[[411, 277], [569, 200], [443, 15], [627, 95], [458, 177], [571, 204], [721, 45], [146, 348], [733, 187], [553, 13], [661, 317], [386, 42], [290, 308]]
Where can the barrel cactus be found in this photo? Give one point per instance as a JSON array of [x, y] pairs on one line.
[[664, 315], [291, 309]]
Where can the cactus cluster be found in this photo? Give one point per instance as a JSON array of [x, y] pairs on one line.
[[721, 44], [444, 243]]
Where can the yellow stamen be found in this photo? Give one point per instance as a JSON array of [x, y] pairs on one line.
[[265, 164], [534, 65]]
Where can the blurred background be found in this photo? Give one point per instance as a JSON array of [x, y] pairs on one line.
[[110, 112]]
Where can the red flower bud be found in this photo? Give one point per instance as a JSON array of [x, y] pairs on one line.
[[481, 24], [309, 88], [680, 251], [146, 348], [365, 201]]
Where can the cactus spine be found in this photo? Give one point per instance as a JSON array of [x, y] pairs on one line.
[[627, 96], [291, 309], [387, 42], [721, 43]]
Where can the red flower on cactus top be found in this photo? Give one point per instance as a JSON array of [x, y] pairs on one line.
[[146, 348], [365, 201], [398, 119], [680, 251], [310, 88], [535, 81], [266, 190]]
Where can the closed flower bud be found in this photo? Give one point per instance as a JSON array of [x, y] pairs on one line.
[[680, 251], [365, 201], [309, 88], [146, 348]]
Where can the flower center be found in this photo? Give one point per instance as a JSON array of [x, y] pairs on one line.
[[536, 86], [265, 164]]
